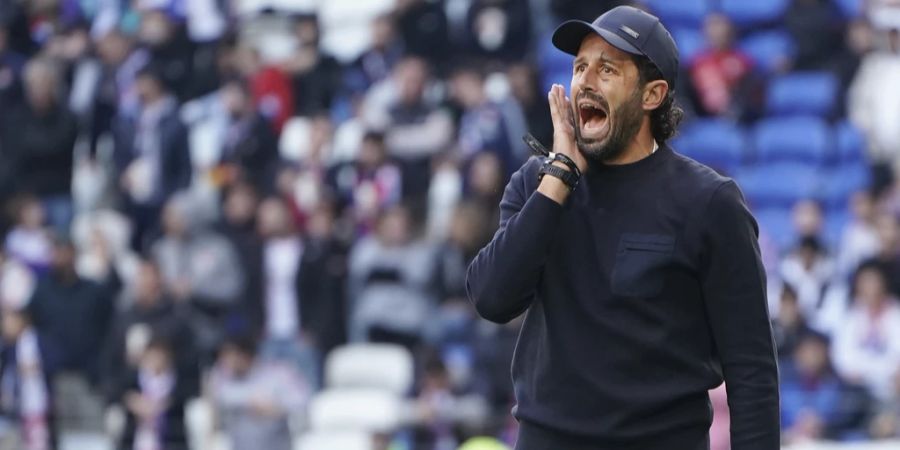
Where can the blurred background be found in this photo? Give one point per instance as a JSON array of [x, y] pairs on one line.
[[245, 224]]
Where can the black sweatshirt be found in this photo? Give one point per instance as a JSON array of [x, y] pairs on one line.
[[642, 292]]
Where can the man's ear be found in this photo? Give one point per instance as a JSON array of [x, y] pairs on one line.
[[654, 94]]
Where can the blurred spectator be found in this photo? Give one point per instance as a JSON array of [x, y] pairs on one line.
[[72, 312], [199, 268], [11, 64], [523, 83], [866, 347], [171, 50], [577, 9], [250, 147], [154, 401], [270, 85], [810, 392], [817, 28], [151, 154], [873, 101], [390, 275], [415, 129], [238, 226], [859, 239], [39, 139], [888, 228], [17, 282], [369, 184], [376, 63], [30, 241], [279, 311], [26, 366], [485, 182], [149, 314], [717, 74], [255, 400], [810, 270], [315, 76], [321, 282], [423, 27], [788, 325], [859, 40], [498, 29], [482, 127]]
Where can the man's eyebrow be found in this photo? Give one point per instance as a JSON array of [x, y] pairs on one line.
[[606, 58]]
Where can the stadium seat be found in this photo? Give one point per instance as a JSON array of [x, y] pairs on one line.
[[851, 143], [753, 13], [556, 65], [718, 143], [803, 139], [839, 183], [380, 366], [851, 9], [690, 43], [768, 49], [370, 410], [346, 440], [682, 12], [835, 222], [777, 224], [803, 93], [779, 185]]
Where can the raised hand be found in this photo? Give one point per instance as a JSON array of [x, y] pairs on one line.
[[564, 126]]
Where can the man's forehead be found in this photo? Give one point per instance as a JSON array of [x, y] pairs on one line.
[[594, 46]]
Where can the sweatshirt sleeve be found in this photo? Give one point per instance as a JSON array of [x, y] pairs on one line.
[[734, 292], [502, 278]]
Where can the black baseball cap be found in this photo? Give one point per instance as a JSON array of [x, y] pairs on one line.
[[628, 29]]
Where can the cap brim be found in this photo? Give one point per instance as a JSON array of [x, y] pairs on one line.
[[568, 36]]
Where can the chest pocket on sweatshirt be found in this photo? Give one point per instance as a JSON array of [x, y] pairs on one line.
[[640, 264]]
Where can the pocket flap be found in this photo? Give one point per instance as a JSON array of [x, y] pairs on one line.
[[648, 242]]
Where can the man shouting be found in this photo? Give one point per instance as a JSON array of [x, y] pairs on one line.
[[638, 268]]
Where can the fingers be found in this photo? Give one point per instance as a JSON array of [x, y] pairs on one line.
[[560, 112]]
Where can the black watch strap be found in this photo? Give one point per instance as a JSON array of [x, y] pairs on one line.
[[568, 178]]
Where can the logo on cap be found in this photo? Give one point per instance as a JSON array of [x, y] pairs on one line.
[[630, 32]]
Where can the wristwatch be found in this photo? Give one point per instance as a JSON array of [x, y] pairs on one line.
[[568, 178]]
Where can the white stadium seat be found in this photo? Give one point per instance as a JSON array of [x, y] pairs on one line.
[[379, 366]]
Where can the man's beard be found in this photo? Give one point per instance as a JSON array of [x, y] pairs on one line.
[[624, 125]]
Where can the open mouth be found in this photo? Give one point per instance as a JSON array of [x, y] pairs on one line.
[[593, 118]]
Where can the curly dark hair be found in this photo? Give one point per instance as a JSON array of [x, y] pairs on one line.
[[664, 119]]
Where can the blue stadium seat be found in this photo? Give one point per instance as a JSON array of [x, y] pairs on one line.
[[851, 9], [851, 144], [779, 185], [767, 48], [753, 13], [717, 143], [690, 43], [839, 183], [555, 65], [803, 139], [777, 224], [803, 93], [681, 12]]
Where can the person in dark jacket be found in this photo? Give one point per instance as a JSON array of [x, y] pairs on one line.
[[152, 315], [73, 312], [250, 147], [639, 268], [151, 154], [39, 138]]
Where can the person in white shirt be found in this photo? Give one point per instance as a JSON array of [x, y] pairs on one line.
[[866, 348]]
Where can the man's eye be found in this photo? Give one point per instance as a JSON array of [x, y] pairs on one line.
[[579, 69], [606, 69]]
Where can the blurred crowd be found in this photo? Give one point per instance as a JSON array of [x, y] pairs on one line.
[[204, 198]]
